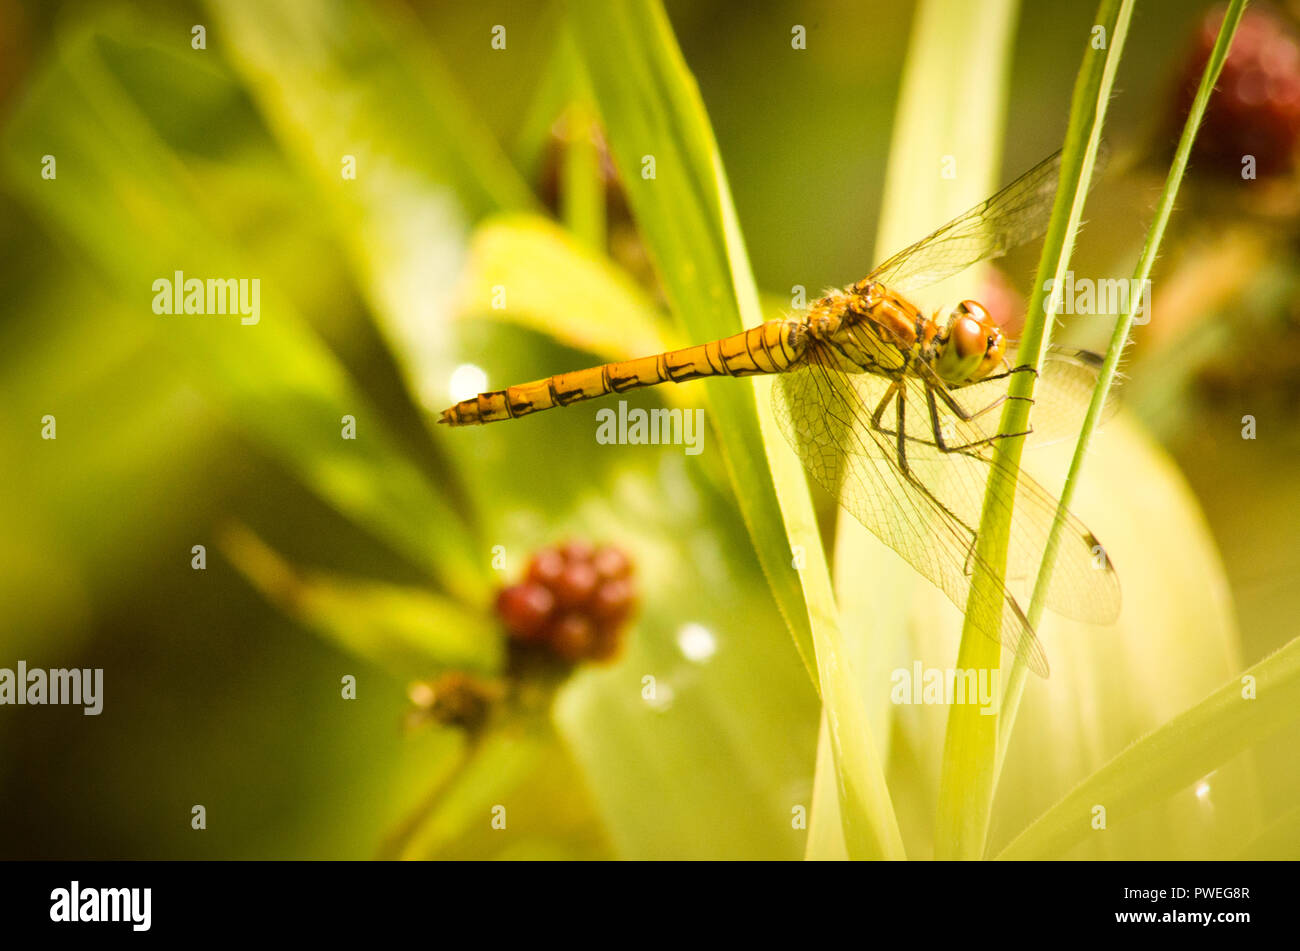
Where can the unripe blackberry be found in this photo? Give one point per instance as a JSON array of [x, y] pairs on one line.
[[576, 584], [525, 609], [611, 563], [1255, 108], [574, 602], [573, 636], [612, 601], [546, 567]]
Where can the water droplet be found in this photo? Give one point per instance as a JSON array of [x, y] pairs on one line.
[[697, 643], [466, 381]]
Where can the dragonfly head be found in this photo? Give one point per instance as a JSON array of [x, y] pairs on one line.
[[970, 347]]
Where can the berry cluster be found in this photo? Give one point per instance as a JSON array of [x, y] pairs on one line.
[[574, 601], [1255, 109]]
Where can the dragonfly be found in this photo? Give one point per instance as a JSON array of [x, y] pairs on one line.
[[894, 413]]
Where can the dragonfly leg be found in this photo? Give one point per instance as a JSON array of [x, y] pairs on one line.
[[905, 469], [895, 392], [1023, 368], [962, 412], [940, 443], [901, 434], [933, 384], [878, 415], [968, 416]]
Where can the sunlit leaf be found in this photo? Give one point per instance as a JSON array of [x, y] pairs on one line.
[[553, 285]]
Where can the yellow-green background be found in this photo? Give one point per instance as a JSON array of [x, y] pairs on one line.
[[225, 162]]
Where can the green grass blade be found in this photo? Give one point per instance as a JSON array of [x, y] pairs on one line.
[[970, 747], [336, 78], [1239, 714], [1119, 339], [942, 111], [654, 114], [582, 199], [825, 835], [1277, 842], [532, 145], [412, 632]]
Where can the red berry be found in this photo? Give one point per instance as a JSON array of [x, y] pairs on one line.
[[612, 601], [576, 550], [1255, 109], [607, 643], [546, 567], [611, 563], [572, 636], [576, 584], [525, 609]]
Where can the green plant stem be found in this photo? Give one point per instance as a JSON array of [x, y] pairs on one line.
[[582, 198], [1119, 339], [398, 839], [970, 746]]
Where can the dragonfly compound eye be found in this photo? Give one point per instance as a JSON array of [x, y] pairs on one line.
[[995, 350], [965, 344]]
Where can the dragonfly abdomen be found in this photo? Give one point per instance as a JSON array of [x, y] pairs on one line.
[[772, 347]]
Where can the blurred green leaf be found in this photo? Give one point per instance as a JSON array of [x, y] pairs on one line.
[[1265, 698], [139, 215], [482, 791], [1111, 684], [1277, 843], [412, 632], [651, 108], [338, 79]]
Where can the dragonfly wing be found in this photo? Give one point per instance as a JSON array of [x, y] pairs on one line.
[[1084, 584], [1017, 214], [1061, 396], [826, 416]]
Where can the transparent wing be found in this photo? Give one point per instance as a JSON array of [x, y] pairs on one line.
[[930, 515], [1017, 214], [1061, 396], [1084, 584], [827, 420]]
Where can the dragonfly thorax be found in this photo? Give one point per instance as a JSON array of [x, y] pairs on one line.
[[893, 318], [883, 332]]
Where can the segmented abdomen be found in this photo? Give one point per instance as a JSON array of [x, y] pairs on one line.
[[768, 348]]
